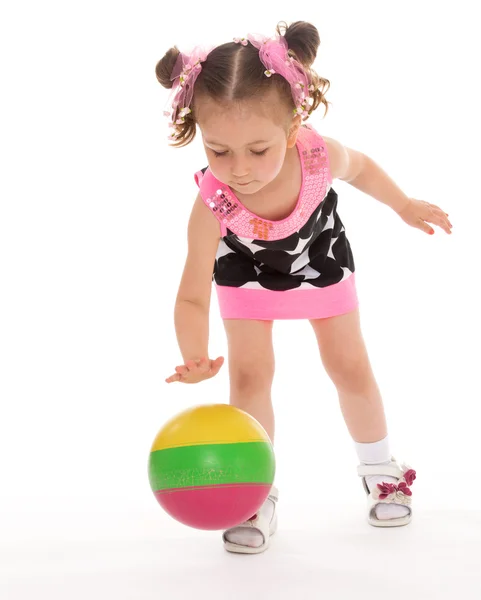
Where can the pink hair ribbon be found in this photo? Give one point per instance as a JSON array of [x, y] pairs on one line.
[[273, 53], [184, 74]]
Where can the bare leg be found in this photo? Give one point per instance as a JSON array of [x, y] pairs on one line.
[[251, 369], [251, 372], [345, 358]]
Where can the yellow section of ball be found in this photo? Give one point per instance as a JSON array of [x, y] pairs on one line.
[[209, 424]]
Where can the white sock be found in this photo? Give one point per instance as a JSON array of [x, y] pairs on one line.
[[378, 453], [248, 536]]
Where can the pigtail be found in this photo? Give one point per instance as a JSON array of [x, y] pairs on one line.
[[165, 66], [303, 42], [163, 72], [303, 39]]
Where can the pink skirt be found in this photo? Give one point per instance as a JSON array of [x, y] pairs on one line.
[[268, 305]]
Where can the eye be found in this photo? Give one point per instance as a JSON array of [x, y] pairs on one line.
[[261, 153]]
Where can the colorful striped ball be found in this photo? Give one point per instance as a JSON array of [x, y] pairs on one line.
[[211, 466]]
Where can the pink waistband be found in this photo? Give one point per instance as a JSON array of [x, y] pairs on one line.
[[312, 303]]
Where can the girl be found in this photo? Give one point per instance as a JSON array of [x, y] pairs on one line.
[[265, 228]]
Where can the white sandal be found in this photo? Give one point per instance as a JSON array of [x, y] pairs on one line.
[[388, 493], [265, 528]]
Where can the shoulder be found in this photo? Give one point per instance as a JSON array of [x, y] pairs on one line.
[[339, 157], [201, 215], [203, 227], [345, 163]]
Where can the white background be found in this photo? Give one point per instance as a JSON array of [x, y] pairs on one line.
[[94, 208]]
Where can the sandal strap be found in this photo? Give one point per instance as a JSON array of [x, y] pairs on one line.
[[274, 494], [257, 522], [392, 470]]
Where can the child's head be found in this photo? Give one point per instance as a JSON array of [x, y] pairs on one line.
[[247, 115]]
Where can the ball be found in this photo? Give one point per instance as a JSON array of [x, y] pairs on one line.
[[211, 466]]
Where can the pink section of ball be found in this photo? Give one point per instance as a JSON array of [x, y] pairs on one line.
[[217, 507]]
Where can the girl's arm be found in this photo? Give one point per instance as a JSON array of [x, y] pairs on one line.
[[362, 172], [191, 314]]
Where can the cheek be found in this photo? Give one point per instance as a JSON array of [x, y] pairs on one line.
[[273, 165], [219, 171]]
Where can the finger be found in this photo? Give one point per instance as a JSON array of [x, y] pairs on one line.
[[434, 218], [173, 378], [182, 370], [216, 365], [446, 225], [204, 365], [425, 227], [435, 206], [442, 218], [191, 365], [440, 211]]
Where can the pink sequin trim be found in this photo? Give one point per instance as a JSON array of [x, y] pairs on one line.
[[316, 178]]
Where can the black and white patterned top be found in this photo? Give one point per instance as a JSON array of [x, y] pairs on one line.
[[308, 249]]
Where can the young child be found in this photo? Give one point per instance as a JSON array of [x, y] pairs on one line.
[[265, 228]]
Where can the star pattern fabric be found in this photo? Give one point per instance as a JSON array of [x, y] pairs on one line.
[[317, 255]]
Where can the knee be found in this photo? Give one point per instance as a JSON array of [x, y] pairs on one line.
[[350, 373], [251, 379]]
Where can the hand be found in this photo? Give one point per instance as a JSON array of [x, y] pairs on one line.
[[418, 213], [195, 371]]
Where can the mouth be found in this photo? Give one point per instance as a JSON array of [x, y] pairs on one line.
[[244, 184]]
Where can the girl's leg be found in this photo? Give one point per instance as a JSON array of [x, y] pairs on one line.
[[251, 372], [345, 358], [251, 369]]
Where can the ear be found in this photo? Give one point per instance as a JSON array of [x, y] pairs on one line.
[[293, 131]]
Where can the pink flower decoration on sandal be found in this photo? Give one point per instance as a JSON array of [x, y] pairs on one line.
[[403, 487], [410, 476], [386, 489]]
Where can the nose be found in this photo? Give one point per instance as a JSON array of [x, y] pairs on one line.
[[239, 168]]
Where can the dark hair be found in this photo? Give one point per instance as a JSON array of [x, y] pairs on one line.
[[234, 72]]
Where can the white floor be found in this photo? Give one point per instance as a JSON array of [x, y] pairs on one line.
[[143, 556]]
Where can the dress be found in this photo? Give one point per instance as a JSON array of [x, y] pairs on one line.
[[300, 267]]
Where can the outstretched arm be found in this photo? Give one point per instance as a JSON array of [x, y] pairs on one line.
[[362, 172], [191, 312]]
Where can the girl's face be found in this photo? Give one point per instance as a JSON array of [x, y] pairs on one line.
[[245, 147]]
